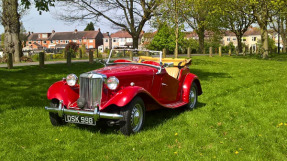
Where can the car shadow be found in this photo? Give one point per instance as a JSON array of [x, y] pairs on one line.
[[152, 120]]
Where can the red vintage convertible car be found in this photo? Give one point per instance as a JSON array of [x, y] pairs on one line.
[[123, 90]]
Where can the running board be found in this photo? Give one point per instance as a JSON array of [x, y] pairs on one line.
[[175, 105]]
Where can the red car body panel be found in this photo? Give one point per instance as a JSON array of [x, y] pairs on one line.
[[165, 90]]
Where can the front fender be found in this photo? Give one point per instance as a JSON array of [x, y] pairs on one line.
[[124, 96], [61, 91], [189, 79]]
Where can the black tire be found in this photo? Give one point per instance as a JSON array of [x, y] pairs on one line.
[[55, 119], [133, 117], [192, 99]]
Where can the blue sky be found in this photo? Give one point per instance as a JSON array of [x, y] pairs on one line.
[[47, 22]]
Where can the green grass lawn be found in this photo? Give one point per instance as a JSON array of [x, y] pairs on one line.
[[240, 116]]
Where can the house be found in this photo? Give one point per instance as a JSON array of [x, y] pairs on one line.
[[107, 42], [54, 40], [250, 38], [146, 39]]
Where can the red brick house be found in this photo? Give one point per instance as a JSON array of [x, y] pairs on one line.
[[91, 39]]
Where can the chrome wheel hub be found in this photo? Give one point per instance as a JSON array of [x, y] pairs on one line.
[[136, 117], [192, 97]]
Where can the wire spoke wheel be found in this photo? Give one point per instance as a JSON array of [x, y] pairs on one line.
[[192, 97], [133, 117]]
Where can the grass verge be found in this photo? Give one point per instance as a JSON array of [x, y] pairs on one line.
[[240, 116]]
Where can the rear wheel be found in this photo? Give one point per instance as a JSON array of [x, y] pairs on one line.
[[192, 97], [133, 117], [55, 119]]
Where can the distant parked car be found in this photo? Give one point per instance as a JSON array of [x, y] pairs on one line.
[[122, 91]]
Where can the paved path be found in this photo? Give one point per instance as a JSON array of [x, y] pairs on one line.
[[73, 61]]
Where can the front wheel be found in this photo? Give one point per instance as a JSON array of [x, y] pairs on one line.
[[193, 93], [133, 116], [55, 119]]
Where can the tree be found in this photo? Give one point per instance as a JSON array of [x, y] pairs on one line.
[[10, 19], [165, 38], [90, 27], [196, 13], [130, 15], [279, 25], [170, 13], [263, 10], [235, 18]]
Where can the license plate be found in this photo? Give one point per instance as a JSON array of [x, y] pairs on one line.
[[80, 119]]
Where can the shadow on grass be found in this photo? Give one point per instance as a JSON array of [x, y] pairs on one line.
[[152, 120], [203, 75], [27, 86]]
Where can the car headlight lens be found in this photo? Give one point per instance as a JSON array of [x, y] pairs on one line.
[[71, 79], [112, 83]]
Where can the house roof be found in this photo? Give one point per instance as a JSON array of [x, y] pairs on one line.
[[74, 35], [35, 37], [252, 31], [121, 34], [65, 35], [106, 35]]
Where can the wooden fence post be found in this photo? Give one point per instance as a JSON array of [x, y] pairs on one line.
[[81, 54], [229, 52], [188, 52], [244, 51], [220, 51], [10, 60], [91, 57], [147, 53], [210, 51], [131, 56], [164, 53], [41, 59], [69, 59]]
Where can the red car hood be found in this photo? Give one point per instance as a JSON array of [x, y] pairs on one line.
[[126, 69]]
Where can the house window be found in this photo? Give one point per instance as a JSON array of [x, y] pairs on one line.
[[44, 35], [122, 39], [44, 42], [30, 42], [57, 41], [228, 39], [234, 39], [80, 40], [51, 41], [61, 41], [115, 40], [91, 46], [39, 42], [106, 40], [74, 40], [253, 38], [244, 39], [67, 41], [91, 40]]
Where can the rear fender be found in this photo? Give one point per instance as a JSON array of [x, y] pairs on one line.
[[62, 91], [189, 79], [124, 96]]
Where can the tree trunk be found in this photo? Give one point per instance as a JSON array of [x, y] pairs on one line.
[[200, 33], [11, 23], [135, 42], [176, 30], [264, 40], [239, 43]]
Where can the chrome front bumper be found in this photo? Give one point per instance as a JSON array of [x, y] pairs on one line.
[[95, 114]]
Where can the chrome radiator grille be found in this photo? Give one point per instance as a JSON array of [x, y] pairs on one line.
[[91, 89]]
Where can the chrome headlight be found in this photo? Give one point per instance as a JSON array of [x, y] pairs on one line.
[[112, 83], [71, 79]]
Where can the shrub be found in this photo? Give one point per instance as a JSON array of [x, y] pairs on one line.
[[58, 56]]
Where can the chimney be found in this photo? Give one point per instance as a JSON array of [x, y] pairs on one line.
[[32, 32], [53, 31], [29, 33], [99, 30], [108, 33], [76, 31]]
